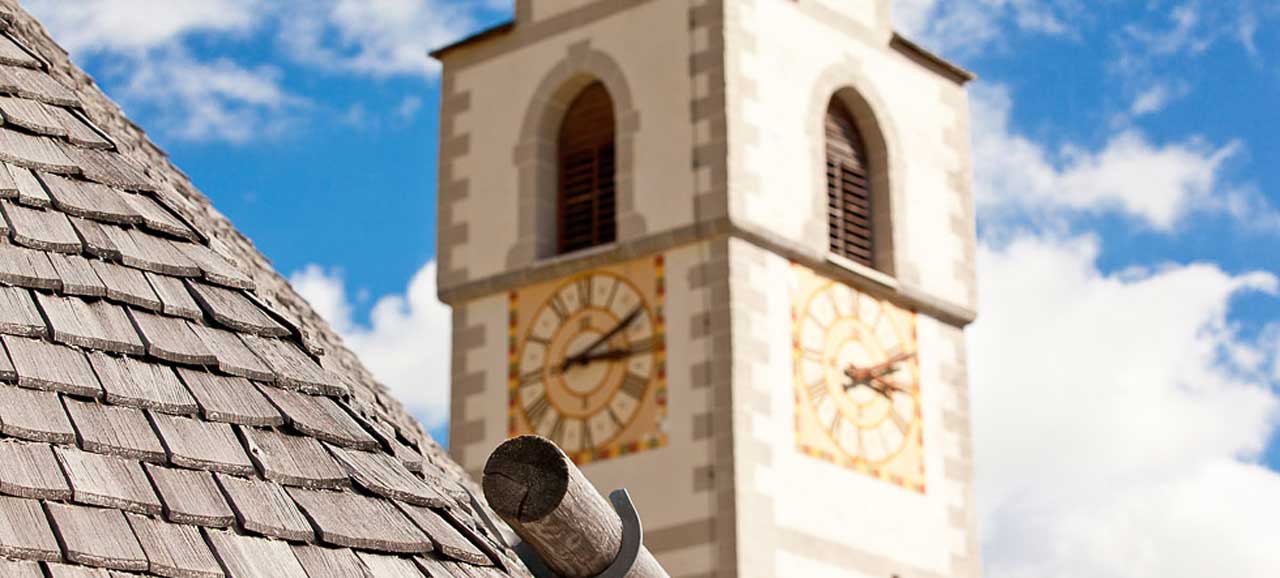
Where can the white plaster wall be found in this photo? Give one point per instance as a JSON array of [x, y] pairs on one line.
[[543, 9], [651, 44], [814, 498], [490, 358], [868, 13], [792, 50]]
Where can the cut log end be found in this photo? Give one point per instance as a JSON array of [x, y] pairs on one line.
[[526, 478]]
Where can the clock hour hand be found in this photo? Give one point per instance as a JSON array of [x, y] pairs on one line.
[[581, 358], [873, 377], [608, 355]]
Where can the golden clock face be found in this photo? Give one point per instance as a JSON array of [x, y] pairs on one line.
[[588, 361], [857, 381]]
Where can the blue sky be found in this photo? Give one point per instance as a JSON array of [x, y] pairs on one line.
[[1125, 379]]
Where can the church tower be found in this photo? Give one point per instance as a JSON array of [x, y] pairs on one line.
[[722, 252]]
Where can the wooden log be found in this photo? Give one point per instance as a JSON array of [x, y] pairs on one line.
[[545, 498]]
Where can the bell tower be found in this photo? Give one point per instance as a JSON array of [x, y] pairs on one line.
[[722, 253]]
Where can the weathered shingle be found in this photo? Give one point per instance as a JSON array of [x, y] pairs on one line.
[[135, 383], [18, 313], [25, 532], [72, 571], [44, 365], [321, 561], [293, 368], [198, 444], [81, 132], [174, 549], [216, 268], [36, 85], [232, 309], [230, 399], [14, 55], [20, 569], [250, 557], [91, 324], [115, 430], [349, 519], [266, 508], [41, 229], [31, 115], [446, 538], [34, 152], [34, 415], [108, 481], [7, 372], [172, 339], [30, 470], [176, 300], [384, 566], [95, 239], [30, 190], [384, 475], [27, 268], [157, 218], [320, 417], [111, 168], [97, 537], [127, 285], [89, 200], [293, 460], [190, 497], [77, 275], [234, 357], [150, 253]]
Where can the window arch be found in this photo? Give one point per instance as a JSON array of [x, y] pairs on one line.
[[852, 209], [586, 204]]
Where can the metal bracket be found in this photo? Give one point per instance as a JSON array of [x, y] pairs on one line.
[[632, 538]]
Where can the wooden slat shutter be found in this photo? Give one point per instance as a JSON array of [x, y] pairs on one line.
[[587, 200], [848, 190]]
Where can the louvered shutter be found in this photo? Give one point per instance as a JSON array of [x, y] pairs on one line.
[[848, 190], [587, 199]]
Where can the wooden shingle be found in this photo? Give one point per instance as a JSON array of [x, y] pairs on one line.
[[356, 521], [250, 557], [115, 430], [203, 445], [34, 415], [127, 285], [172, 339], [111, 168], [95, 239], [175, 299], [135, 383], [293, 460], [293, 368], [234, 357], [108, 481], [384, 566], [34, 152], [30, 470], [321, 561], [174, 549], [34, 116], [81, 132], [438, 568], [35, 85], [41, 229], [43, 365], [216, 268], [157, 218], [446, 538], [27, 268], [78, 276], [30, 190], [13, 54], [18, 313], [320, 417], [73, 571], [25, 532], [97, 537], [8, 188], [20, 569], [92, 324], [230, 399], [150, 253], [7, 372], [89, 200], [232, 309], [384, 475], [191, 497], [265, 508]]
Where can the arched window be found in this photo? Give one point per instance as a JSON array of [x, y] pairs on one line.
[[587, 201], [850, 210]]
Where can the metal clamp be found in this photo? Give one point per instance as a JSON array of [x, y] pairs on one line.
[[632, 538]]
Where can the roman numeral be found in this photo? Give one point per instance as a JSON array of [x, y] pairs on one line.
[[817, 389], [531, 378], [584, 291], [634, 385], [558, 308], [537, 410], [557, 429]]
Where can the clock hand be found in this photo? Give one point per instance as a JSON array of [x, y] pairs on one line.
[[579, 357], [608, 355], [864, 376]]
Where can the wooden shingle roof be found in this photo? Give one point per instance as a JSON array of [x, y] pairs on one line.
[[169, 406]]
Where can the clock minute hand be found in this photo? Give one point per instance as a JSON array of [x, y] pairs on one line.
[[582, 356]]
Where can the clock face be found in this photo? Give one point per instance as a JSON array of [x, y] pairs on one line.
[[857, 381], [588, 361]]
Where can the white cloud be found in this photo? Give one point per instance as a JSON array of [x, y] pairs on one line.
[[124, 25], [1115, 431], [1155, 184], [966, 27], [406, 343]]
